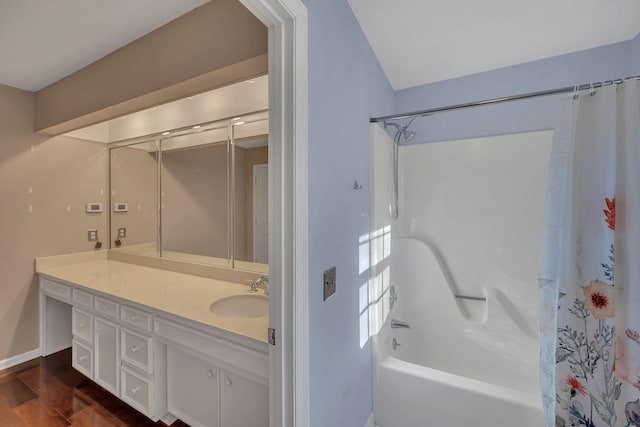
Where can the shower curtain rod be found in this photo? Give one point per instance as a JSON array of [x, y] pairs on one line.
[[566, 89]]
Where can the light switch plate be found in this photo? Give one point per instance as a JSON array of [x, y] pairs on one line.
[[92, 234], [329, 282], [122, 233]]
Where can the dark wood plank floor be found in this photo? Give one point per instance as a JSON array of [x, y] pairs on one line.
[[48, 392]]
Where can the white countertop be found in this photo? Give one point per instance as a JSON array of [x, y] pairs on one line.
[[179, 294]]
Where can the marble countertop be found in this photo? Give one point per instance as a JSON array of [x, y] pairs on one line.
[[180, 294]]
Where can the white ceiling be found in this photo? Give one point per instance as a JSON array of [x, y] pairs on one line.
[[424, 41], [42, 41]]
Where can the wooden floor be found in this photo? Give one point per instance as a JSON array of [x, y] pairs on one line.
[[47, 392]]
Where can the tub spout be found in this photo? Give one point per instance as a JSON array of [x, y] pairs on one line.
[[395, 324]]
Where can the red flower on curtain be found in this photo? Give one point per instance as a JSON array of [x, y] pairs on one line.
[[610, 212], [575, 384]]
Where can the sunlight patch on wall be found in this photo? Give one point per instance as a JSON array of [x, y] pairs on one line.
[[373, 306]]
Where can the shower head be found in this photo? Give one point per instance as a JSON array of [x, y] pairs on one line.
[[409, 135], [403, 131]]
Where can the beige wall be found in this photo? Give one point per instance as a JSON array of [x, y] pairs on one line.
[[61, 172], [214, 45]]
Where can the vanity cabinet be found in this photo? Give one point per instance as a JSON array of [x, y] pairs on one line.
[[163, 365], [113, 346], [213, 383]]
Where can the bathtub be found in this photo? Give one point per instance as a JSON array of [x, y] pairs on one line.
[[461, 362]]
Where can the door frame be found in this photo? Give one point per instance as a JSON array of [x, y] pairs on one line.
[[288, 209]]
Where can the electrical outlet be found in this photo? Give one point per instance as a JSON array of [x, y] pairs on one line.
[[122, 233], [329, 281], [92, 234]]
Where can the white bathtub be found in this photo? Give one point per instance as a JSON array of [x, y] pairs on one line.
[[461, 363]]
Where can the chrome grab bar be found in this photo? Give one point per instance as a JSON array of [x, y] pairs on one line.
[[471, 298], [395, 324]]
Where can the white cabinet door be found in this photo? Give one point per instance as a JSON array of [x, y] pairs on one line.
[[243, 402], [107, 355], [192, 389]]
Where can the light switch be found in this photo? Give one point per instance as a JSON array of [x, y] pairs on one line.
[[92, 233], [329, 282], [122, 233]]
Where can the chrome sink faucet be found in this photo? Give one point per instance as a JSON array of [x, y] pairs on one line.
[[262, 281]]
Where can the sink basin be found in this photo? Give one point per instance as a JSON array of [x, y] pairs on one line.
[[241, 306]]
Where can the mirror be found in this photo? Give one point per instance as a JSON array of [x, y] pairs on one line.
[[213, 186], [134, 200], [251, 196], [196, 198]]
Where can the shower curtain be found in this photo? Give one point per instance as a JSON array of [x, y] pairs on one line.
[[590, 270]]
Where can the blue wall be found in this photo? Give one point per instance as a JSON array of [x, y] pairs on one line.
[[590, 65], [346, 87], [635, 55]]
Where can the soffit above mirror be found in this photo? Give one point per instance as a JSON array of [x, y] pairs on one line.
[[229, 102]]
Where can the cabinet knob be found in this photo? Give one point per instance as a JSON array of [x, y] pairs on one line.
[[135, 390], [210, 373], [228, 382], [134, 349]]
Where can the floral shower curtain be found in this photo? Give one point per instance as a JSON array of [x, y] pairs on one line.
[[590, 270]]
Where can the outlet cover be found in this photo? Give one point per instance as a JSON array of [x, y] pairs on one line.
[[329, 282], [92, 234], [122, 233]]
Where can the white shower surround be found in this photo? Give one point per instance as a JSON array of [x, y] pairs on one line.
[[470, 220]]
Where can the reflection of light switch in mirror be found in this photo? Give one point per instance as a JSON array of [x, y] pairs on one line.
[[120, 207], [94, 207], [122, 233]]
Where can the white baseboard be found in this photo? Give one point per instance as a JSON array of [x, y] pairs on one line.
[[21, 358], [169, 419], [370, 422]]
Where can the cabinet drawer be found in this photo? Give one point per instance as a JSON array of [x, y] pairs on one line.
[[136, 390], [136, 349], [82, 325], [135, 317], [199, 407], [82, 298], [106, 307], [82, 358], [56, 289]]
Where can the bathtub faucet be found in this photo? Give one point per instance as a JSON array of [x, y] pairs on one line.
[[395, 324]]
